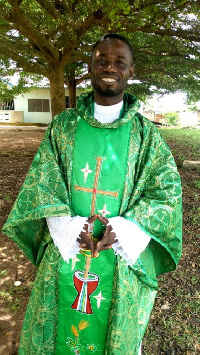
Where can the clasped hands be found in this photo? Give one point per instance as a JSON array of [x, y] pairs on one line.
[[95, 247]]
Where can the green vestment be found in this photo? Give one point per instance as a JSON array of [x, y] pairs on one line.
[[133, 173]]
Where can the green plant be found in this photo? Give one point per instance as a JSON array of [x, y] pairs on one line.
[[5, 295], [4, 273], [172, 118], [197, 184]]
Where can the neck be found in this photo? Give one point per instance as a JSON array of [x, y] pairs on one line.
[[107, 100]]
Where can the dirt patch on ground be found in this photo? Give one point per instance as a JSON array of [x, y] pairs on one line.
[[16, 154], [173, 329]]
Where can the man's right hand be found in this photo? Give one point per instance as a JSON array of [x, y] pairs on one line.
[[85, 238]]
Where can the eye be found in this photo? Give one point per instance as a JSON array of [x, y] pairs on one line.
[[102, 61], [120, 63]]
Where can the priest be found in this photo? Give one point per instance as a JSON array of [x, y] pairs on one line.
[[99, 214]]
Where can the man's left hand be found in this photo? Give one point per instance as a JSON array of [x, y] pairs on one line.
[[108, 239]]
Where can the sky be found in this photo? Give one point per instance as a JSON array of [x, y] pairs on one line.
[[170, 102]]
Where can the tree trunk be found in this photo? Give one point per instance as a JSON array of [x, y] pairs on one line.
[[57, 91], [72, 93]]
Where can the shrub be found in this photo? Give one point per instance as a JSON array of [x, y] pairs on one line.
[[172, 118]]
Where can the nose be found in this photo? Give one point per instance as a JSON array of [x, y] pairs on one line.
[[110, 67]]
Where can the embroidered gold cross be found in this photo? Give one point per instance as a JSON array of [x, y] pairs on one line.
[[94, 190]]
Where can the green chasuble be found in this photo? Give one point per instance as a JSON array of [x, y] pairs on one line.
[[96, 305]]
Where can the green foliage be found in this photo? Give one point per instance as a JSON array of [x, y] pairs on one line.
[[192, 102], [197, 184], [172, 118], [24, 83], [42, 36]]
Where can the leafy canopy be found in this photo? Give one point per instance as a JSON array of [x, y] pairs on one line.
[[42, 36]]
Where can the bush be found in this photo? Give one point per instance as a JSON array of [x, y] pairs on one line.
[[172, 118]]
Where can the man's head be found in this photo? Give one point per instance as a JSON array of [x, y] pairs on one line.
[[111, 67]]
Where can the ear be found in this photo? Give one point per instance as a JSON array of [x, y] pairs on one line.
[[89, 68], [132, 71]]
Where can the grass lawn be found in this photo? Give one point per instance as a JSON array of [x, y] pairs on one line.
[[174, 327], [184, 143]]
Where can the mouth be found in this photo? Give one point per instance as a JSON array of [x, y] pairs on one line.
[[109, 80]]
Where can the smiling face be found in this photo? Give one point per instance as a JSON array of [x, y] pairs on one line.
[[110, 70]]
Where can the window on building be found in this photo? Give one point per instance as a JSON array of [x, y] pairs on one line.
[[38, 105], [7, 105]]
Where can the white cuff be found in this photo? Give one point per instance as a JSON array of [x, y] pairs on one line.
[[64, 232], [132, 240]]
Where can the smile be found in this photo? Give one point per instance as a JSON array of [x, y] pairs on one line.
[[109, 80]]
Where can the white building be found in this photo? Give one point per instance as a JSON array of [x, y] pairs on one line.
[[31, 107]]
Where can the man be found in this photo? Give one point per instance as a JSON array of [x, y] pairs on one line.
[[106, 184]]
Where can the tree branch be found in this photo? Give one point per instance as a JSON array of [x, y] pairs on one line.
[[19, 47], [27, 65], [24, 25], [81, 29], [179, 32], [83, 77], [50, 9]]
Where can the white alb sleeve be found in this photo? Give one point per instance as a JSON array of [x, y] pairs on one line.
[[64, 232], [132, 240]]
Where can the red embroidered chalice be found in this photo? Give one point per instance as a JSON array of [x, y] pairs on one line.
[[85, 286]]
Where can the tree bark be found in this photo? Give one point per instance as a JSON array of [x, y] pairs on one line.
[[72, 93], [57, 91]]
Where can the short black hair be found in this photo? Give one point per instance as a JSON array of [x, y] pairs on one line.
[[114, 36]]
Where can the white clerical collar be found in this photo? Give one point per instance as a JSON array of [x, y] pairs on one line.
[[106, 109], [107, 114]]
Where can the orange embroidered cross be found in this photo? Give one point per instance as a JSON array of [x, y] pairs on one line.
[[95, 189]]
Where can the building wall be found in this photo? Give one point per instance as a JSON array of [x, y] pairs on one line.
[[21, 104], [153, 116], [11, 116], [198, 117], [188, 119]]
